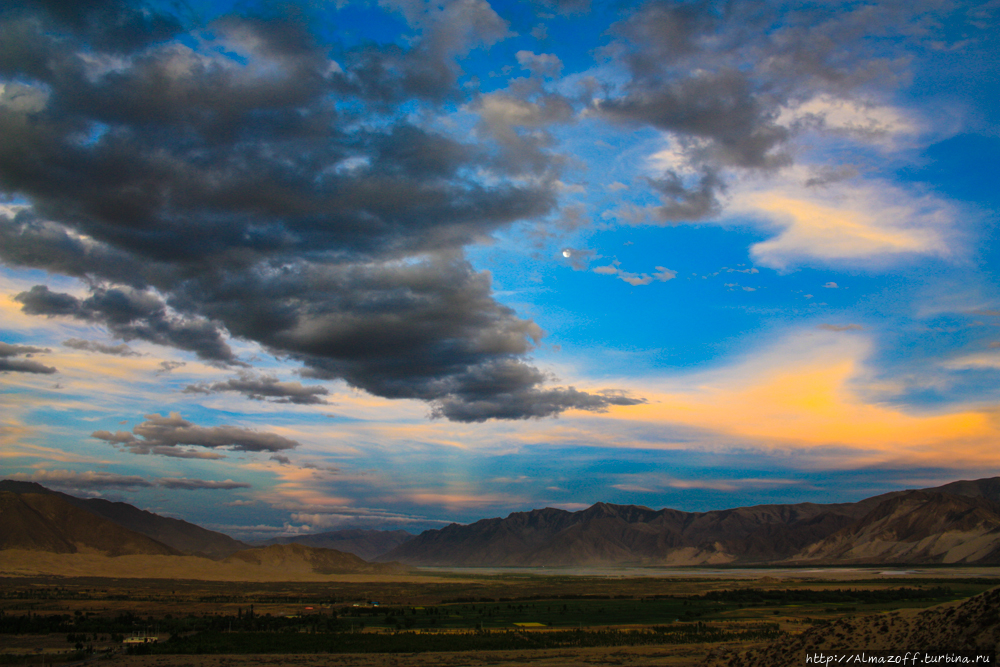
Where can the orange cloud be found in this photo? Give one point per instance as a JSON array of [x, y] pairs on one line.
[[800, 395]]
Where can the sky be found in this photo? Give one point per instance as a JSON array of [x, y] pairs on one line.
[[281, 268]]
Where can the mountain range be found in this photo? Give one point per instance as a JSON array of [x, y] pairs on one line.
[[954, 523], [36, 521], [958, 523]]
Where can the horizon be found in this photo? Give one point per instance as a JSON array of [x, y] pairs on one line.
[[474, 521], [400, 264]]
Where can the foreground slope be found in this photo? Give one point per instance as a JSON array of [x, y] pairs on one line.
[[970, 626], [180, 535]]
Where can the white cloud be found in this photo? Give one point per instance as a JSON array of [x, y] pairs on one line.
[[844, 222], [979, 361], [874, 123]]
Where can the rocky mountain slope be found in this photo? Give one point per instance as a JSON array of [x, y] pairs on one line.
[[957, 522], [180, 535], [917, 527], [47, 522], [971, 626]]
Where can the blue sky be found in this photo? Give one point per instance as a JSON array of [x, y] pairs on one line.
[[396, 264]]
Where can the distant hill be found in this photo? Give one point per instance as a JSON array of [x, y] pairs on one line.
[[298, 558], [368, 544], [47, 522], [970, 626], [180, 535], [957, 522]]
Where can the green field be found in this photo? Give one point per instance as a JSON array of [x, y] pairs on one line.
[[506, 613]]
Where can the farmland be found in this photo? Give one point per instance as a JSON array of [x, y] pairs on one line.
[[45, 619]]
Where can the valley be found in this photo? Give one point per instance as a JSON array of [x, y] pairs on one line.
[[610, 584]]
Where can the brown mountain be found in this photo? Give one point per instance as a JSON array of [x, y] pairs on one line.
[[958, 525], [297, 558], [972, 626], [181, 535], [47, 522], [615, 534], [917, 527], [368, 544]]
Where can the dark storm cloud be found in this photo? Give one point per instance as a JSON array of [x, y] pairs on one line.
[[107, 24], [164, 435], [264, 387], [720, 108], [121, 350], [10, 364], [526, 403], [240, 182], [130, 314]]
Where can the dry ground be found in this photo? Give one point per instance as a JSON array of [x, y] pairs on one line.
[[633, 656]]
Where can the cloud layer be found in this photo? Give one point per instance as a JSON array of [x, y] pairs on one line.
[[241, 182]]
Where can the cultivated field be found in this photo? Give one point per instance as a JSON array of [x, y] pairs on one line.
[[669, 617]]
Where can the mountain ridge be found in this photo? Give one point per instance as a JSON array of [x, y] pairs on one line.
[[609, 534], [957, 523], [184, 536]]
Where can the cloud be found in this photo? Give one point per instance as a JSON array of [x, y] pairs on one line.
[[579, 258], [662, 274], [8, 363], [826, 174], [264, 387], [90, 480], [480, 400], [845, 223], [682, 202], [71, 479], [195, 484], [164, 435], [218, 193], [130, 314], [807, 393], [976, 361], [540, 64], [733, 91], [852, 117], [169, 366], [840, 327], [121, 350]]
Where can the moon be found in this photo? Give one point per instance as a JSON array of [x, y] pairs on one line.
[[566, 253]]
